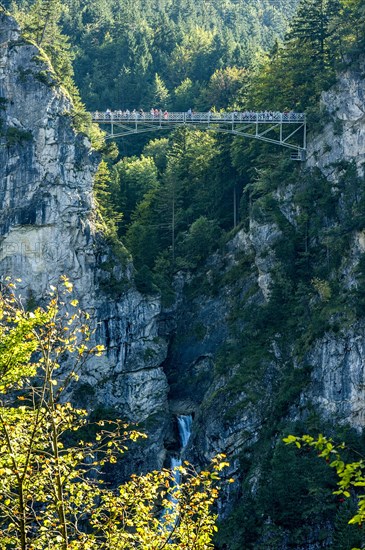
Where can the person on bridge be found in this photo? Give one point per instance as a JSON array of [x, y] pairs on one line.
[[166, 115], [189, 113]]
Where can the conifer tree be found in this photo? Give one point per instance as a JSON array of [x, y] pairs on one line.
[[311, 31], [41, 25], [160, 93]]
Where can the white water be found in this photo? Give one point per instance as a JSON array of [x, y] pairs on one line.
[[184, 424]]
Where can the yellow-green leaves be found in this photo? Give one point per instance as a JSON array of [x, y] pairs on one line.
[[51, 492]]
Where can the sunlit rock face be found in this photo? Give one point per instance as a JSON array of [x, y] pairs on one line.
[[343, 136], [47, 229], [46, 175]]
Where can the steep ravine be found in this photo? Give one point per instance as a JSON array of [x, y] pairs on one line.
[[160, 364]]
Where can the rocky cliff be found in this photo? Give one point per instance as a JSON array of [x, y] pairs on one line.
[[243, 386], [47, 229]]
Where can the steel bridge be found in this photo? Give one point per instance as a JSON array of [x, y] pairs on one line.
[[286, 129]]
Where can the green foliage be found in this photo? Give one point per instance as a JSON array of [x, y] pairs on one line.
[[305, 294], [104, 194], [158, 149], [40, 24], [345, 536], [174, 205], [154, 56], [225, 87], [159, 93], [310, 491], [287, 498], [315, 46], [184, 95], [176, 200], [144, 280], [15, 136], [134, 177], [306, 300], [199, 242], [51, 493], [359, 292]]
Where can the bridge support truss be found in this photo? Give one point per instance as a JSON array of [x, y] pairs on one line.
[[284, 129]]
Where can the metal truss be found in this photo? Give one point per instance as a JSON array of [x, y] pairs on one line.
[[284, 129]]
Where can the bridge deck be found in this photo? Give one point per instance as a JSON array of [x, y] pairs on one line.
[[286, 129], [200, 118]]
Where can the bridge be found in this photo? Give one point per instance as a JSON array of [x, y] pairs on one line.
[[286, 129]]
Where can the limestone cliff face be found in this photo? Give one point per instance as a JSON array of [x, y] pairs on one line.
[[225, 419], [343, 136], [47, 229], [338, 361], [46, 175]]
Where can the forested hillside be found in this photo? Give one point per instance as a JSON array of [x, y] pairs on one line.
[[184, 194], [169, 54], [133, 54]]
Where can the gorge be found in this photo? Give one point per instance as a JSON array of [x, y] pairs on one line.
[[262, 335]]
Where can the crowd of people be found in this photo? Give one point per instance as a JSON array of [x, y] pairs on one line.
[[159, 114], [127, 114]]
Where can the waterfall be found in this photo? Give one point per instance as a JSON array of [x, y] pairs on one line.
[[184, 424], [175, 463]]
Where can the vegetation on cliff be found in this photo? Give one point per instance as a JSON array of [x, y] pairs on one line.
[[52, 456]]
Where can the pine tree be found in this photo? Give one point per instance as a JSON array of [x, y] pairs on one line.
[[160, 93], [41, 25], [311, 30], [306, 64]]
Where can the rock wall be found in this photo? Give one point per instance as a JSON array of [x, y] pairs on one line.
[[343, 135], [47, 229], [225, 419], [337, 387]]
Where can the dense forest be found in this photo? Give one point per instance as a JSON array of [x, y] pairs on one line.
[[180, 198], [169, 54], [164, 54], [177, 199]]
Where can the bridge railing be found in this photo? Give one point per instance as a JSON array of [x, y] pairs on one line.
[[206, 118]]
